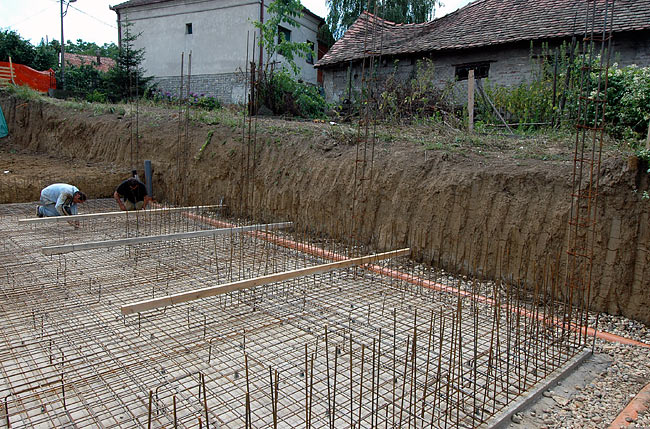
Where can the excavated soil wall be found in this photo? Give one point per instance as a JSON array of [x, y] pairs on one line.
[[494, 215]]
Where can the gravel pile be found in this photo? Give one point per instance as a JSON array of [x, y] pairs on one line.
[[595, 394]]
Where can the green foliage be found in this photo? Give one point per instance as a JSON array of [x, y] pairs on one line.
[[96, 97], [126, 79], [90, 48], [644, 155], [416, 98], [46, 56], [84, 80], [278, 89], [208, 139], [23, 92], [282, 12], [284, 95], [628, 95], [14, 46], [343, 13], [628, 102], [42, 57], [531, 101], [201, 101]]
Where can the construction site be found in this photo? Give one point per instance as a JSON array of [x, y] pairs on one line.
[[345, 282]]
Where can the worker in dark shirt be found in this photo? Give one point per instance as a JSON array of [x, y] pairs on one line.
[[134, 194]]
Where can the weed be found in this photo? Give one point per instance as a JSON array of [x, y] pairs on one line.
[[207, 142], [24, 92]]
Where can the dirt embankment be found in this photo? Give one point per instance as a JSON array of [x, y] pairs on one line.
[[490, 212]]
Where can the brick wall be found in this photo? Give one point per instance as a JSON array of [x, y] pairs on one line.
[[229, 88], [509, 66]]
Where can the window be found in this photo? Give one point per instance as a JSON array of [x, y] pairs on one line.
[[188, 28], [310, 55], [481, 70], [284, 32]]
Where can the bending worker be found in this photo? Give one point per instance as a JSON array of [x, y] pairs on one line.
[[59, 199], [134, 194]]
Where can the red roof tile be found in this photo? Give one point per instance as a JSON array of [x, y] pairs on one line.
[[482, 23], [77, 60]]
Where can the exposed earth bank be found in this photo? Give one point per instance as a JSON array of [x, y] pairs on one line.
[[498, 208]]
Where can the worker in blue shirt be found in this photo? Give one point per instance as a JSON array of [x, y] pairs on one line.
[[59, 199]]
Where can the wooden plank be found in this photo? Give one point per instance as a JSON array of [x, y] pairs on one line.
[[67, 248], [133, 213], [179, 298]]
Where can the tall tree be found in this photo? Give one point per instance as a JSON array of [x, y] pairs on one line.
[[14, 46], [126, 79], [343, 13]]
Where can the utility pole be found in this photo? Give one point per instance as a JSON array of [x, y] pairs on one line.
[[63, 40]]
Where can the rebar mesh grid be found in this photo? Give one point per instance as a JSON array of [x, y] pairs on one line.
[[348, 348]]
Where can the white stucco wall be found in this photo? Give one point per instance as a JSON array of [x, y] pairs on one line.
[[218, 42]]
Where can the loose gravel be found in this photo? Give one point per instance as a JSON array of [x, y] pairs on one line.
[[596, 393]]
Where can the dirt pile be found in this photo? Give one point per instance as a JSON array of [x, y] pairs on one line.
[[485, 209]]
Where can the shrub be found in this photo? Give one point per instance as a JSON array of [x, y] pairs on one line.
[[416, 98], [281, 93], [628, 101], [201, 101], [628, 96]]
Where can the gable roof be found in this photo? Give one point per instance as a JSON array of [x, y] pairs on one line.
[[105, 63], [482, 23]]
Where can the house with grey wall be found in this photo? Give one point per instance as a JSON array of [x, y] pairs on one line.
[[220, 36], [492, 37]]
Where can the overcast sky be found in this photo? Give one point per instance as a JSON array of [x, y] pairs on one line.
[[93, 21]]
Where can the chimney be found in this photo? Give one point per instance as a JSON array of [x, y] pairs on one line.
[[99, 58]]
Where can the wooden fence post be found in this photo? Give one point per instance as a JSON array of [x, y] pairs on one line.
[[470, 100]]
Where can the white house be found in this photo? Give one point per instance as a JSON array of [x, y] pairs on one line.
[[218, 33]]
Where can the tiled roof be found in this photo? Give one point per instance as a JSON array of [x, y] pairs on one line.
[[482, 23], [77, 60]]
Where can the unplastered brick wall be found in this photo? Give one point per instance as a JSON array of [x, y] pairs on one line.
[[229, 88], [509, 65]]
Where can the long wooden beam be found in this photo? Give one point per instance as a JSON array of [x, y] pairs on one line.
[[169, 300], [114, 214], [67, 248]]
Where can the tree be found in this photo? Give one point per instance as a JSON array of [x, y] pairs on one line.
[[14, 46], [126, 79], [343, 13], [91, 48], [21, 51], [47, 55], [273, 40]]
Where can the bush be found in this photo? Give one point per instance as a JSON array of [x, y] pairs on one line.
[[284, 95], [628, 96], [417, 98], [85, 81], [628, 102], [201, 101], [96, 97]]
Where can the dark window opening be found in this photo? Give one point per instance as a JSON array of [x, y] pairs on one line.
[[188, 28], [481, 70], [310, 55], [284, 32]]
